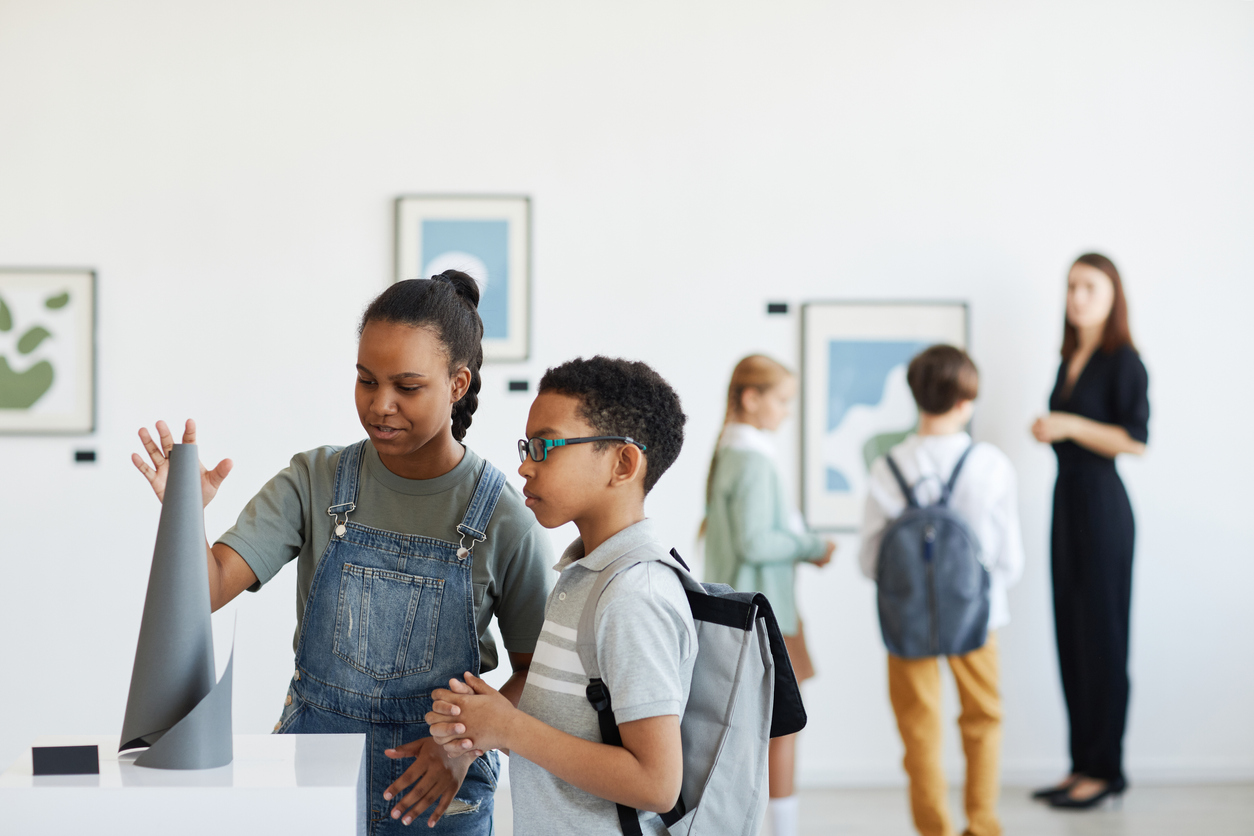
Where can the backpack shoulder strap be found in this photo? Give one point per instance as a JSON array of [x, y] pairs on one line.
[[901, 482], [586, 638], [598, 693], [953, 477]]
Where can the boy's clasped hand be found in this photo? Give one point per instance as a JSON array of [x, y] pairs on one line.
[[470, 717]]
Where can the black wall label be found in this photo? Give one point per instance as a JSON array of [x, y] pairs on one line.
[[519, 386], [776, 307], [84, 455]]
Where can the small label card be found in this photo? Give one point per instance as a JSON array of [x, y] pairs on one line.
[[65, 760]]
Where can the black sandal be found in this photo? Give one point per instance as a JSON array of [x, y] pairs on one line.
[[1113, 790], [1050, 793]]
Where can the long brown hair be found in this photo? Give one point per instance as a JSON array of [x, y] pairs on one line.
[[757, 371], [1117, 334]]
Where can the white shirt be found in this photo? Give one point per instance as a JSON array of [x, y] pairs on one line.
[[746, 437], [985, 496]]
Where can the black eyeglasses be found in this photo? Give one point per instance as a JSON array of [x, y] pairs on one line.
[[538, 448]]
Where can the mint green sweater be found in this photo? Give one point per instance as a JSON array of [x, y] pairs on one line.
[[748, 541]]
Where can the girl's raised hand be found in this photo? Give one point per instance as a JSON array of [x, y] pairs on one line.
[[156, 475]]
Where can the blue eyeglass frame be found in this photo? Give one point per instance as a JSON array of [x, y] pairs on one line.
[[527, 445]]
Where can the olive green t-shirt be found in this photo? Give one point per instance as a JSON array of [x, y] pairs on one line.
[[287, 520]]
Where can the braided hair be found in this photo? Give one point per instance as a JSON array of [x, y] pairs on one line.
[[448, 304]]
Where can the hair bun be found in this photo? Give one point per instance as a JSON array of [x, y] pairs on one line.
[[467, 288]]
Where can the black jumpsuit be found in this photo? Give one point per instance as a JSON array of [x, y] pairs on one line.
[[1092, 542]]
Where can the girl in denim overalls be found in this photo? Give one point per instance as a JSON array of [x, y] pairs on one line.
[[386, 615]]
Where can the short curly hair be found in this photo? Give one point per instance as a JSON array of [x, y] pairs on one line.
[[628, 398]]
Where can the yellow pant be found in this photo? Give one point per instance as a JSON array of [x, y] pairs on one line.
[[914, 687]]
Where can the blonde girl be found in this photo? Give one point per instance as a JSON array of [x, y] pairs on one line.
[[754, 539]]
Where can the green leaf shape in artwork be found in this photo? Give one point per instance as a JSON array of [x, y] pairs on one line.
[[32, 338], [6, 318], [879, 445], [58, 301], [22, 390]]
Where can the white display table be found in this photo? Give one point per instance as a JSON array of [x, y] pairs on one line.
[[278, 783]]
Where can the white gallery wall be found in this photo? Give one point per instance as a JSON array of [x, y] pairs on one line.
[[229, 170]]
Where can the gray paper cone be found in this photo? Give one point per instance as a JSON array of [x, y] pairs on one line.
[[202, 739], [174, 669]]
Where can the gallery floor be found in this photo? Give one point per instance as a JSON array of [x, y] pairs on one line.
[[1145, 811]]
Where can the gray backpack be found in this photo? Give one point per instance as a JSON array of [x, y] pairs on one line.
[[932, 589], [743, 693]]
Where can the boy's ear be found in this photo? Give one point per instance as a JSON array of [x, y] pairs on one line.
[[628, 465]]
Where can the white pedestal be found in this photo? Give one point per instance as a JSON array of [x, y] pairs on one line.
[[278, 783]]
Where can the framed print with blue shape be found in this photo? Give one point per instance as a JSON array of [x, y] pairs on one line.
[[486, 237], [47, 351], [855, 401]]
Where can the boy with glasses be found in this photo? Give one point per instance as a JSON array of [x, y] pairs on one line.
[[599, 435]]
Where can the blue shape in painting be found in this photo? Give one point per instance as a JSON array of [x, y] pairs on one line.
[[837, 482], [487, 241], [857, 373]]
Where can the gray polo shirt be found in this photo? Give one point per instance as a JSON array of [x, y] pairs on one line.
[[287, 520], [646, 647]]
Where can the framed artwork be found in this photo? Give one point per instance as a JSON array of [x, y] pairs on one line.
[[47, 351], [855, 401], [487, 237]]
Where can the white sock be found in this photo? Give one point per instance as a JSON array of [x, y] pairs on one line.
[[783, 815]]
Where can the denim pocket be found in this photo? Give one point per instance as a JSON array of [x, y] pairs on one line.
[[385, 623], [487, 769]]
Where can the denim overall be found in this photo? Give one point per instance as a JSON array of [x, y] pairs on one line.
[[390, 618]]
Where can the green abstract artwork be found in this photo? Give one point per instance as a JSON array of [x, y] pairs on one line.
[[20, 390], [46, 351]]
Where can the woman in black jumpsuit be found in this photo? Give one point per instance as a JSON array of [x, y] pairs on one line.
[[1099, 408]]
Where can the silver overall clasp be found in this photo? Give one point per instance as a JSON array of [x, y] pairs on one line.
[[335, 511]]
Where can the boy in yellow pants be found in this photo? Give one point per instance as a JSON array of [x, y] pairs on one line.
[[945, 383]]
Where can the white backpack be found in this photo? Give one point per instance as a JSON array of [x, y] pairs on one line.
[[743, 693]]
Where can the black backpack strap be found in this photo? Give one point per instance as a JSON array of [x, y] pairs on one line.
[[953, 477], [901, 480], [628, 818], [599, 696], [599, 693]]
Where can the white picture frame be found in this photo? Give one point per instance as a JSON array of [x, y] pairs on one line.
[[855, 403], [47, 351], [487, 237]]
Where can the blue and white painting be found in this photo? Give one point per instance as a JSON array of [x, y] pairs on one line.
[[869, 407], [487, 237], [480, 248], [857, 402]]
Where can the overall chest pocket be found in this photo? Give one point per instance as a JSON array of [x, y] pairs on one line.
[[385, 623]]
